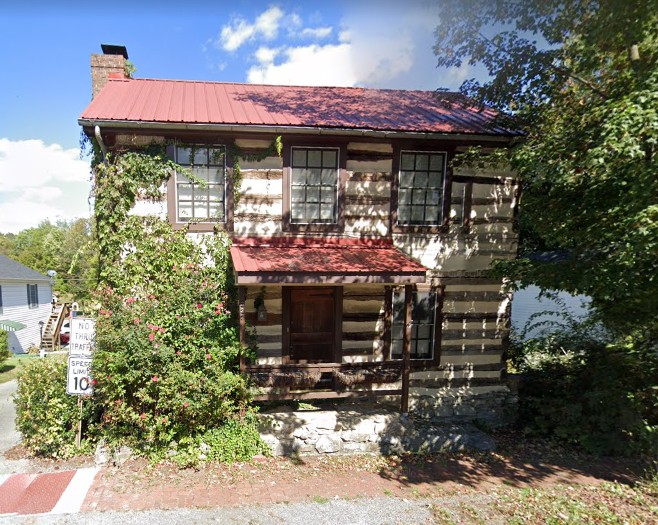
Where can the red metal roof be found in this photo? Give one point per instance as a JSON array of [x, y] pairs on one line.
[[327, 261], [219, 103]]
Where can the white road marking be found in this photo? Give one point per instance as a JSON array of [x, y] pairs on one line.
[[72, 498]]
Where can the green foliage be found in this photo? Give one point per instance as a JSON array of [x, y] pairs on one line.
[[65, 247], [46, 416], [566, 72], [599, 396], [118, 181], [5, 353], [165, 367]]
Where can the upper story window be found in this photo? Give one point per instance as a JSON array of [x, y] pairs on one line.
[[196, 202], [420, 190], [314, 186], [423, 333], [33, 295]]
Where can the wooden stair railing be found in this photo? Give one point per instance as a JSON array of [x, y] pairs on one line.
[[50, 337]]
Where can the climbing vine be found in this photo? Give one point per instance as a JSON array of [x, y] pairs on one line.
[[123, 176], [236, 153]]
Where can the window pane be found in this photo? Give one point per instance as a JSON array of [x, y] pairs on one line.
[[298, 194], [404, 197], [200, 210], [299, 157], [312, 211], [183, 155], [404, 215], [432, 214], [298, 176], [329, 158], [184, 211], [327, 212], [315, 158], [406, 179], [407, 162], [314, 176], [434, 197], [419, 197], [297, 211], [436, 162], [420, 180], [216, 156], [422, 349], [328, 194], [312, 194], [417, 214], [216, 193], [435, 179], [216, 211], [202, 173], [329, 176], [184, 192], [422, 162]]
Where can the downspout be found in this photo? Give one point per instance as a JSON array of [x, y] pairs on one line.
[[99, 139]]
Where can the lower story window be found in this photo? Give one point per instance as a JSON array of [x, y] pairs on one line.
[[423, 309], [33, 295]]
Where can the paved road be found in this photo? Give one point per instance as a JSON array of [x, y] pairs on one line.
[[8, 435], [372, 511]]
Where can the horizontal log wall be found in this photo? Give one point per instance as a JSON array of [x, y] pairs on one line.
[[363, 323]]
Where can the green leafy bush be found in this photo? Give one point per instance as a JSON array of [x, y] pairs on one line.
[[46, 416], [5, 353], [165, 368], [600, 396]]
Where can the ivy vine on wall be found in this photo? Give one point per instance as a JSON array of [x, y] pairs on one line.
[[123, 176]]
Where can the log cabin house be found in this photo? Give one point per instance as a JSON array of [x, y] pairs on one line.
[[361, 256]]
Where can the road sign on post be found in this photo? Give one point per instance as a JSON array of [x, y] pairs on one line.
[[83, 336], [78, 380]]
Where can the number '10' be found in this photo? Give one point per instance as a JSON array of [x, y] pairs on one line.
[[81, 383]]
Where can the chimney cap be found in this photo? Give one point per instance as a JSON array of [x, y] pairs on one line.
[[109, 49]]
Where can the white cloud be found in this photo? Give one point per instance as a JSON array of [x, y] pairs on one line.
[[266, 55], [232, 36], [39, 182], [317, 32], [329, 65], [362, 53]]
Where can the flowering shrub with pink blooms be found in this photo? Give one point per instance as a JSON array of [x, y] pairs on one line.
[[166, 363]]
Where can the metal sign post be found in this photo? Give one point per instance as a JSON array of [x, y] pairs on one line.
[[78, 378]]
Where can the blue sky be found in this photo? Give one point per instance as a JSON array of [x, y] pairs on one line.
[[46, 84]]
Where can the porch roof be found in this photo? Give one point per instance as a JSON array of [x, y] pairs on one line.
[[322, 261]]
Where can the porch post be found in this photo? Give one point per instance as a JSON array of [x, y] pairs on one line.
[[242, 297], [406, 350]]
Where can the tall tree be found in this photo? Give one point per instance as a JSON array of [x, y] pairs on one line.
[[65, 247], [581, 78]]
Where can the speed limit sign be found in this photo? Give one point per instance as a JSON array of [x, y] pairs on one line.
[[78, 380]]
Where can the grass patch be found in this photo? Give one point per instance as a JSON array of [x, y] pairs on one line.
[[10, 368], [605, 504]]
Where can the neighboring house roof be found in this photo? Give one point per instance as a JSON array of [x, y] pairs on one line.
[[11, 270], [322, 261], [174, 102]]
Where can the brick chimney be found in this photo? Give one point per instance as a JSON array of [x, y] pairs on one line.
[[111, 64]]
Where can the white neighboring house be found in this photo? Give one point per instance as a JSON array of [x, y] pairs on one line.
[[25, 296], [528, 303]]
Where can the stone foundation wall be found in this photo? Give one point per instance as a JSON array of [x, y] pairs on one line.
[[436, 423]]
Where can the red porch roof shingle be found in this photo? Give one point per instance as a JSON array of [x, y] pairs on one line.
[[322, 261]]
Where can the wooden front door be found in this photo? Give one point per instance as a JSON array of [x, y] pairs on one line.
[[312, 336]]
